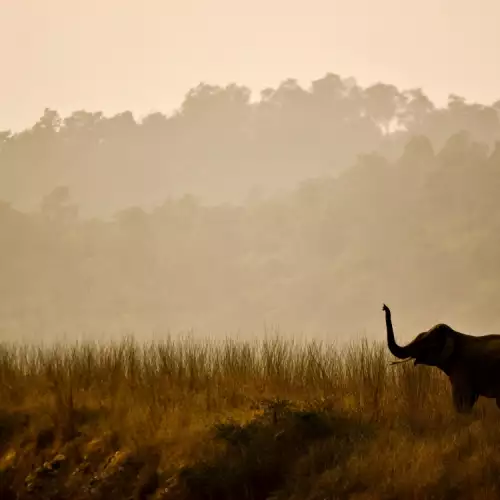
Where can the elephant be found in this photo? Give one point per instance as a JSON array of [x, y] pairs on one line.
[[472, 363]]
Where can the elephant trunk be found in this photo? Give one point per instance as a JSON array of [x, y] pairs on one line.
[[397, 350]]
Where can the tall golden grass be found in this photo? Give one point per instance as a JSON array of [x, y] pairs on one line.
[[251, 420]]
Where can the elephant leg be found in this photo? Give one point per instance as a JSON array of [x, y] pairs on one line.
[[463, 398]]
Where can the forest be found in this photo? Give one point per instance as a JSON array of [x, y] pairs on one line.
[[223, 270], [300, 211]]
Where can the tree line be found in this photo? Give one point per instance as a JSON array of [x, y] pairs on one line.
[[223, 146]]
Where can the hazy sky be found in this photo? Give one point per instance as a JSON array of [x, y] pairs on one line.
[[114, 55]]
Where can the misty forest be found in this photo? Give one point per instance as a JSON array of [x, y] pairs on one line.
[[301, 210], [223, 269]]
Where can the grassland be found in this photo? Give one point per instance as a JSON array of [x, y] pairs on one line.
[[265, 420]]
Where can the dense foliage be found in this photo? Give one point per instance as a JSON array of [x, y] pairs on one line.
[[415, 224], [220, 143]]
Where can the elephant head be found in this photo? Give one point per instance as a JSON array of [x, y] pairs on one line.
[[434, 347]]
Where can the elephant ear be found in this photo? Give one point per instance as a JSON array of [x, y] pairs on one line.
[[448, 348]]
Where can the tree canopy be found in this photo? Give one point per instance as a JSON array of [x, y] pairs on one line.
[[104, 227], [219, 144]]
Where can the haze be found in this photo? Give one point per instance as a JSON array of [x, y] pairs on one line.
[[338, 156], [114, 55]]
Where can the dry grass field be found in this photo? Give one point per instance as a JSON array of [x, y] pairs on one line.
[[236, 420]]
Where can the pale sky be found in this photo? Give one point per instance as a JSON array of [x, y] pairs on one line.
[[114, 55]]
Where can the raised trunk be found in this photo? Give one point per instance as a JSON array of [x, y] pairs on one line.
[[396, 350]]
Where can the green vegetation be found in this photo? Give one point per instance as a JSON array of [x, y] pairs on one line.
[[275, 419]]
